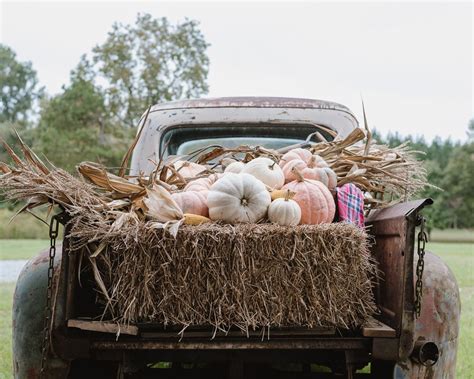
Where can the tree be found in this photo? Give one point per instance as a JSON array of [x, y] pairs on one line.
[[450, 166], [19, 87], [470, 130], [74, 125], [457, 181], [149, 62]]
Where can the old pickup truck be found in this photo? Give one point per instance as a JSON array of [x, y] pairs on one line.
[[414, 335]]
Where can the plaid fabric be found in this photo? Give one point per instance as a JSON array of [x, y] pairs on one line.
[[350, 204]]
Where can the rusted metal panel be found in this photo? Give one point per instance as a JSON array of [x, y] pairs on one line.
[[290, 344], [445, 368], [385, 349], [393, 230], [398, 210], [440, 315], [149, 331], [251, 102], [28, 320]]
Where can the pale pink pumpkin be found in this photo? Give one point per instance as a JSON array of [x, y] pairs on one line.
[[315, 200], [189, 169], [322, 174], [298, 153], [312, 167], [316, 161], [192, 202], [287, 169], [202, 184]]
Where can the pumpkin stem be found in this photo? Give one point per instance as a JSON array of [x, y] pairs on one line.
[[287, 195], [312, 161], [272, 166], [299, 176], [244, 202]]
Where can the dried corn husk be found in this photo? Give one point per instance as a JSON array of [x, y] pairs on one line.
[[161, 206], [98, 175]]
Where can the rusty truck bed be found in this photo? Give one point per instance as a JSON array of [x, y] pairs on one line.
[[390, 337]]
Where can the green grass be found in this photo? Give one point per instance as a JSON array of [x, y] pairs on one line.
[[6, 297], [21, 249], [452, 235], [22, 226], [459, 257]]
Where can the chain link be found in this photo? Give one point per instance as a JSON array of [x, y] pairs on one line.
[[53, 234], [420, 266]]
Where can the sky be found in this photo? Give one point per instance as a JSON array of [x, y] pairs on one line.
[[412, 63]]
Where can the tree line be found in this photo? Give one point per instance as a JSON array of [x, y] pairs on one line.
[[94, 115], [450, 167], [151, 61]]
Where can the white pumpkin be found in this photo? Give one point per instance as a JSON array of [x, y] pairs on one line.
[[235, 167], [267, 171], [238, 198], [284, 211]]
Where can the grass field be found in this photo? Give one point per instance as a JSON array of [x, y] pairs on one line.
[[452, 235], [459, 257], [20, 248]]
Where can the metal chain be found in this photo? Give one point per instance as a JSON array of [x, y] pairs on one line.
[[420, 266], [53, 234]]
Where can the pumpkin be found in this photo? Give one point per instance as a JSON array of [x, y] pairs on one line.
[[317, 161], [235, 167], [202, 184], [322, 174], [192, 219], [192, 202], [293, 164], [267, 171], [298, 153], [315, 200], [238, 198], [284, 211], [277, 194], [189, 169], [314, 168]]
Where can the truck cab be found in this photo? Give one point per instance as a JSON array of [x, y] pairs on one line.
[[414, 334]]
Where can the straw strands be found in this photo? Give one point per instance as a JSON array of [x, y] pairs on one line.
[[247, 276], [155, 269]]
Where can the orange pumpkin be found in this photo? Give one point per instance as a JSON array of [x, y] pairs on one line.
[[315, 200], [192, 202]]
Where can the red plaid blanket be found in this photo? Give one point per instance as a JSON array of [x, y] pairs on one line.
[[350, 204]]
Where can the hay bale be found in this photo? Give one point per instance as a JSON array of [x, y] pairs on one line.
[[248, 275]]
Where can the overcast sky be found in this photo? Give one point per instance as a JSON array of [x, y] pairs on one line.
[[411, 62]]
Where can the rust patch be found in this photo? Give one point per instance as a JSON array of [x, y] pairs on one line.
[[32, 373], [251, 102]]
